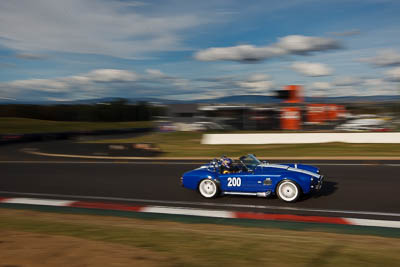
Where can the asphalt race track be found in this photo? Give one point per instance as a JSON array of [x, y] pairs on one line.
[[359, 189]]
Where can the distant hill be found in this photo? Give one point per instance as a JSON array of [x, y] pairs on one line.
[[355, 99], [241, 99], [238, 99], [262, 99]]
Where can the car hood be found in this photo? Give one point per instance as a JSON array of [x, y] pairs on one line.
[[294, 167]]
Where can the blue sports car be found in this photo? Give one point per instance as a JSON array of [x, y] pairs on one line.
[[250, 176]]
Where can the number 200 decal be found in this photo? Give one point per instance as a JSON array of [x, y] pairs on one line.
[[234, 181]]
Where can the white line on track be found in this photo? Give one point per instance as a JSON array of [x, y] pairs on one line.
[[123, 158], [185, 211], [33, 201], [208, 204], [376, 223], [163, 162]]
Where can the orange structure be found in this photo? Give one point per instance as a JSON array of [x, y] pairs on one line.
[[331, 112], [295, 93], [316, 113], [319, 113], [290, 118]]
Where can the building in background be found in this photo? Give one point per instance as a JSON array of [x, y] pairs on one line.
[[291, 114]]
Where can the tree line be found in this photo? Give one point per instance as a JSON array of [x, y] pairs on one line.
[[114, 111]]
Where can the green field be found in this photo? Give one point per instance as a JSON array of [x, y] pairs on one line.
[[22, 125], [56, 239], [187, 144]]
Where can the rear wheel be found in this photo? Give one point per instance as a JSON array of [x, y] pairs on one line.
[[208, 188], [288, 191]]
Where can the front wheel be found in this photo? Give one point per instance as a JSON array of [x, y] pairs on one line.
[[208, 188], [288, 191]]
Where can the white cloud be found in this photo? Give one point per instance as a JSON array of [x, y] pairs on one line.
[[156, 74], [352, 86], [374, 82], [321, 85], [7, 98], [256, 83], [376, 86], [258, 77], [311, 69], [239, 53], [318, 89], [113, 28], [159, 76], [292, 44], [85, 82], [345, 91], [260, 86], [44, 85], [30, 56], [393, 74], [347, 81], [182, 83], [304, 44], [96, 81], [112, 75], [384, 58]]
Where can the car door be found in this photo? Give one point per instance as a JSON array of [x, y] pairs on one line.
[[241, 182], [232, 182]]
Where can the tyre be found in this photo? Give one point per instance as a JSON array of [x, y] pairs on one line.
[[288, 191], [208, 188]]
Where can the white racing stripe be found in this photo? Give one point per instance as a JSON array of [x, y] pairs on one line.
[[189, 211], [376, 223], [34, 201]]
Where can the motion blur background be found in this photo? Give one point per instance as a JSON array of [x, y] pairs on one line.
[[224, 65], [113, 100]]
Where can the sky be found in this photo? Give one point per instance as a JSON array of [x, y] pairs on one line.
[[61, 50]]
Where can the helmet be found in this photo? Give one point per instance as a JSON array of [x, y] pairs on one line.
[[226, 162]]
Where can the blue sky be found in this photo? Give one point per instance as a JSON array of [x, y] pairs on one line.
[[182, 49]]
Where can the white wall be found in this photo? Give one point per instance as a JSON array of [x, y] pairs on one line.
[[300, 138]]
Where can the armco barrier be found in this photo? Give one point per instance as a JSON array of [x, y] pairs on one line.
[[299, 138]]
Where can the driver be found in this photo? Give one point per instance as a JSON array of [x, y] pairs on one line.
[[226, 165]]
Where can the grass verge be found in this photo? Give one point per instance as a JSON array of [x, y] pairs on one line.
[[166, 243], [187, 144], [23, 125]]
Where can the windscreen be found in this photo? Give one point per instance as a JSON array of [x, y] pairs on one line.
[[250, 161]]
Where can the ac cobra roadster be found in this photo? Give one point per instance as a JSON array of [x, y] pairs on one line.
[[250, 176]]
